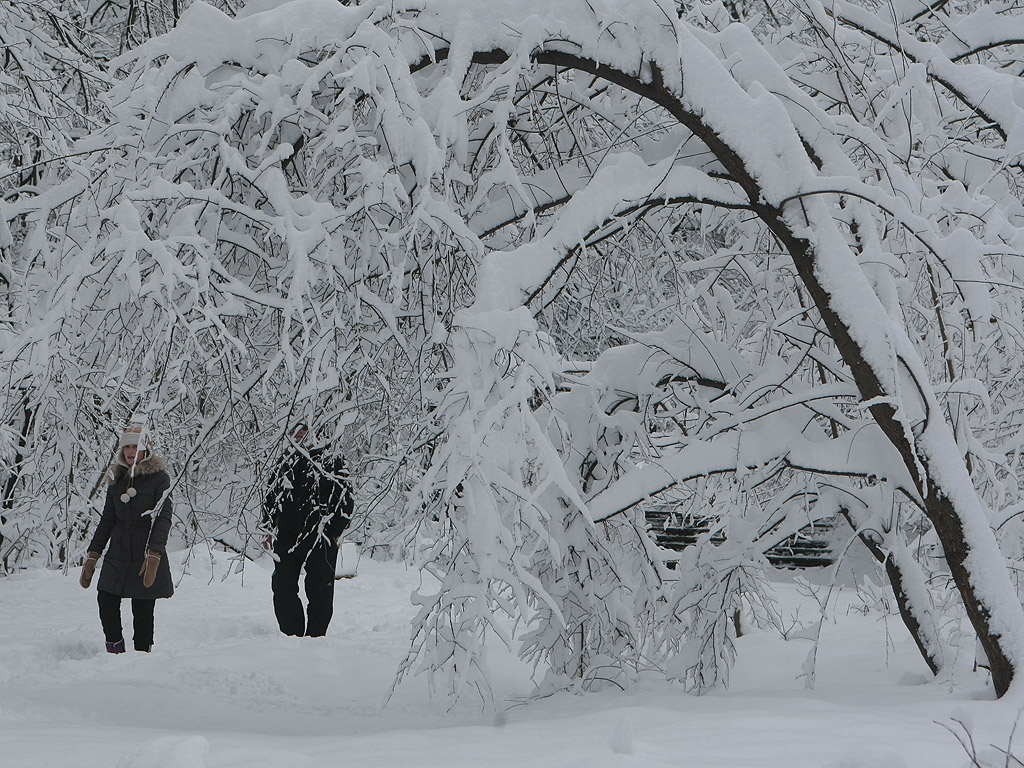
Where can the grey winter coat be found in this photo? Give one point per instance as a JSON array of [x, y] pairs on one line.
[[132, 532]]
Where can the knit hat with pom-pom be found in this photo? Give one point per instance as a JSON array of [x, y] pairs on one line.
[[132, 436]]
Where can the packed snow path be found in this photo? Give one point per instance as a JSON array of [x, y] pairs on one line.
[[223, 688]]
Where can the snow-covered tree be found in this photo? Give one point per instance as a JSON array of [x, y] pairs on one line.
[[544, 262]]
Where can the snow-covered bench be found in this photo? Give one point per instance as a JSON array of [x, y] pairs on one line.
[[811, 547]]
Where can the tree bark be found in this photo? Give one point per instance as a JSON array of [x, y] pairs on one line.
[[903, 602]]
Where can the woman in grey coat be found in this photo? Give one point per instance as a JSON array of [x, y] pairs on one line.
[[136, 520]]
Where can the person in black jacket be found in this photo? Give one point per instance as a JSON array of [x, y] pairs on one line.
[[308, 506], [135, 522]]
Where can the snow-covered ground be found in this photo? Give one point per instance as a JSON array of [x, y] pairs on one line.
[[222, 688]]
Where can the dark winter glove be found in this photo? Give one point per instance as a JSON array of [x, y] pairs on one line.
[[88, 569], [148, 569]]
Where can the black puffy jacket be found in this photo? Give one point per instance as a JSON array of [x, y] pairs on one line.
[[310, 495], [131, 532]]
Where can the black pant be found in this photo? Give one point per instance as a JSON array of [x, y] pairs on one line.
[[142, 619], [319, 556]]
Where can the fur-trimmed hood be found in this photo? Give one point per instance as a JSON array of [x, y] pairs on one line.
[[149, 466]]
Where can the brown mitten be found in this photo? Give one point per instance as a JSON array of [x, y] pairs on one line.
[[88, 569], [148, 569]]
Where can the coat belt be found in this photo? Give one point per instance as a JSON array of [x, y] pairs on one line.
[[133, 524]]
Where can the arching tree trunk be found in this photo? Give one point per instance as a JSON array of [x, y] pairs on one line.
[[983, 607], [968, 542]]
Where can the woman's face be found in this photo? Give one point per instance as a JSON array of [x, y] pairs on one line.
[[132, 454]]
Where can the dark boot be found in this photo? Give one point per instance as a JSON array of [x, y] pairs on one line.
[[117, 647]]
